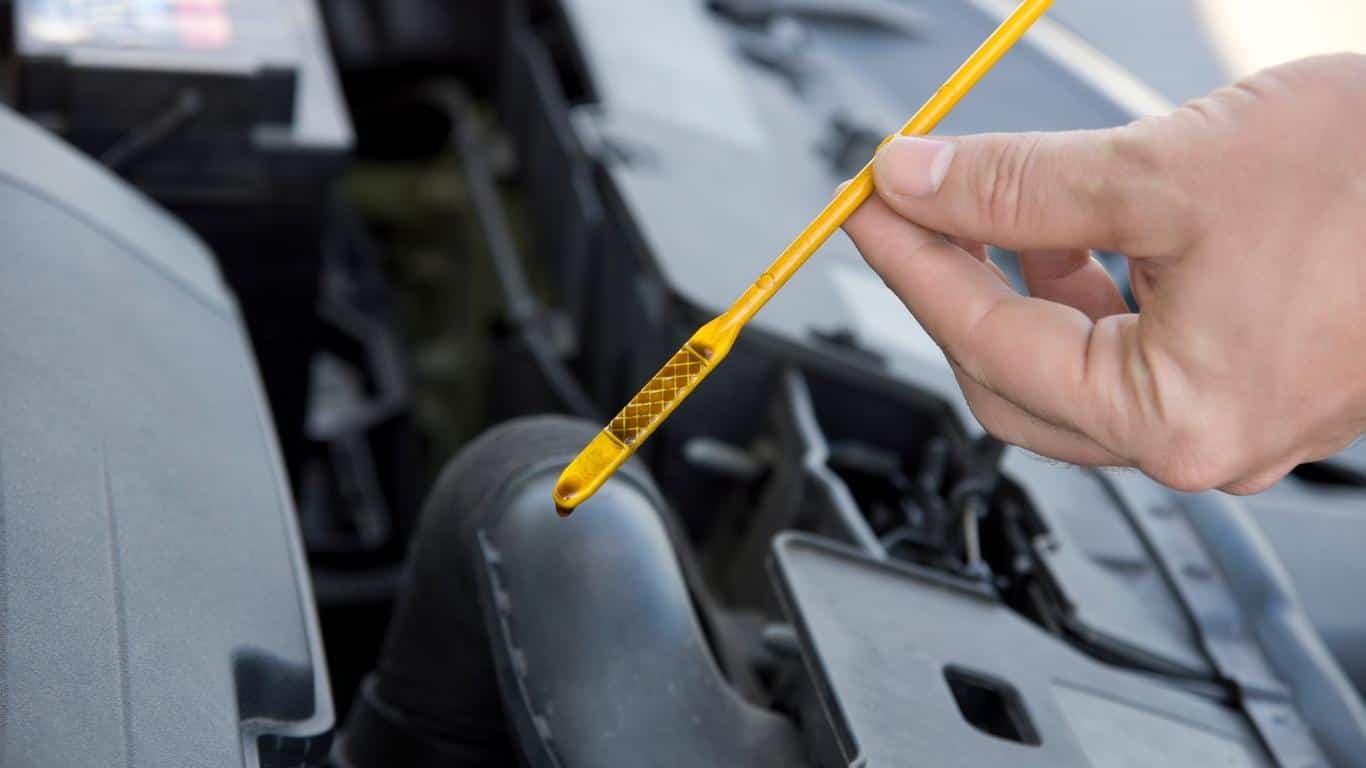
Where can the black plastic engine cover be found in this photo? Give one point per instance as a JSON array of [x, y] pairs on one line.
[[156, 608]]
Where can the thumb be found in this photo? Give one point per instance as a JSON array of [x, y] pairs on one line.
[[1037, 191]]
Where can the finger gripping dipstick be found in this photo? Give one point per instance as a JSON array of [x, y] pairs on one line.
[[713, 341]]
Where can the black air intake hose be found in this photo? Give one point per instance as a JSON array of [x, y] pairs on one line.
[[559, 642]]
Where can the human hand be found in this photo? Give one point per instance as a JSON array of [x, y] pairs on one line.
[[1243, 215]]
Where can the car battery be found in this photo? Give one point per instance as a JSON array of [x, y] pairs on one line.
[[230, 114], [169, 92]]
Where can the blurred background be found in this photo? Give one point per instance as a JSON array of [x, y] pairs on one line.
[[1184, 48], [1249, 36]]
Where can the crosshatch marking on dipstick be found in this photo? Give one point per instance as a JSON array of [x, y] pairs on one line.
[[649, 405]]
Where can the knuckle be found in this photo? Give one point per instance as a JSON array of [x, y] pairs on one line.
[[1003, 181], [1141, 185], [997, 427], [1251, 486], [1191, 459], [984, 409], [1328, 76], [1130, 153], [1188, 477], [995, 415]]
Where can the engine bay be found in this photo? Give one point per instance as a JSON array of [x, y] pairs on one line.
[[323, 295]]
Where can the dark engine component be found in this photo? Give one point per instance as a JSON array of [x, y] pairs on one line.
[[583, 629], [392, 37], [156, 610]]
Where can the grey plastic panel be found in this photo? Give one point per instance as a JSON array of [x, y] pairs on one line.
[[880, 638], [1263, 590], [1115, 589], [38, 167], [1318, 533], [155, 605]]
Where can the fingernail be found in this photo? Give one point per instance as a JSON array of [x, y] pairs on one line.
[[913, 166]]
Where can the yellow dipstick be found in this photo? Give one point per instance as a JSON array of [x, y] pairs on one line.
[[713, 341]]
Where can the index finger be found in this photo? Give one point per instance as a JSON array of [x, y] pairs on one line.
[[1048, 359]]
